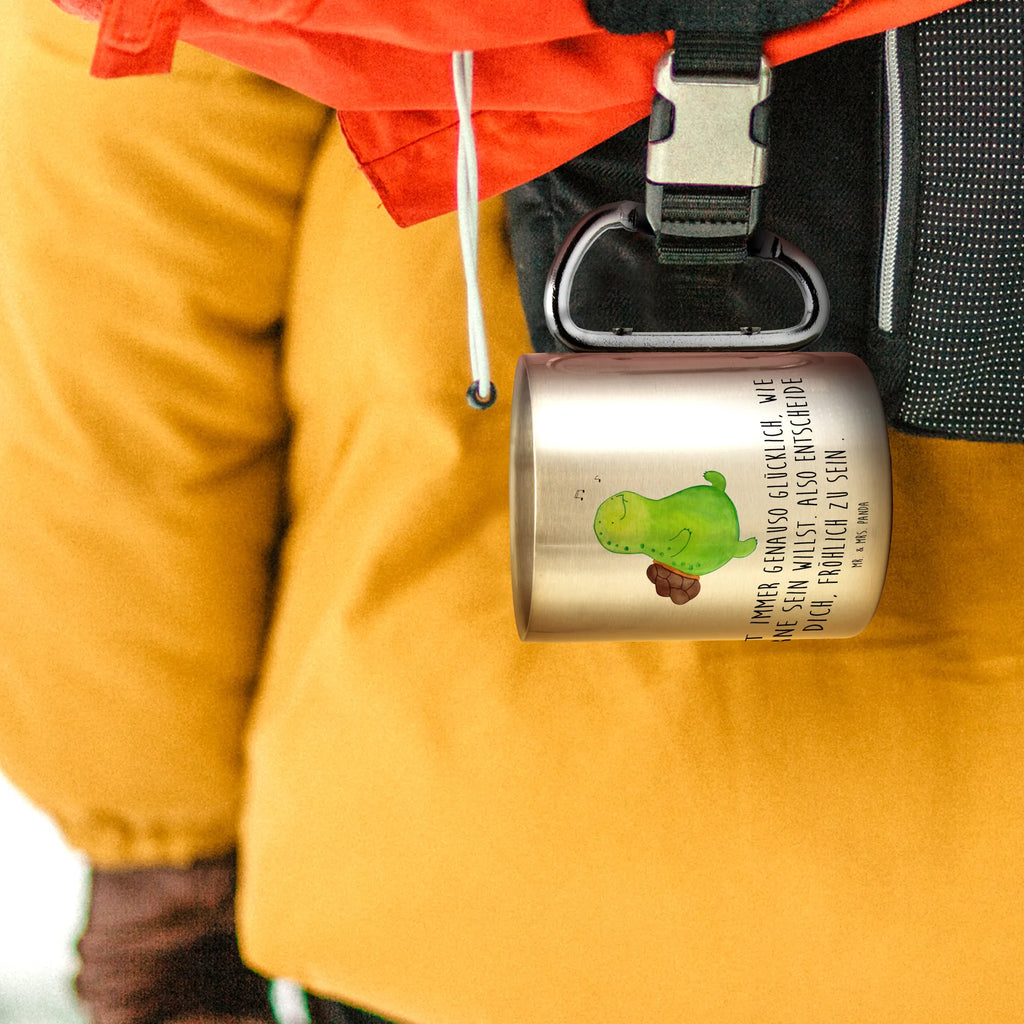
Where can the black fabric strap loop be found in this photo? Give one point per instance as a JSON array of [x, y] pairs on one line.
[[728, 208], [703, 227], [701, 252], [708, 226]]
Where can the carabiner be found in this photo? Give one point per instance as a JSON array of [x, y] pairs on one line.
[[628, 216]]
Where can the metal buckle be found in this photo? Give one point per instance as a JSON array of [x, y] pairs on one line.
[[713, 140], [630, 217]]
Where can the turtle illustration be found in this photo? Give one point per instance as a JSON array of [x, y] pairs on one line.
[[687, 534]]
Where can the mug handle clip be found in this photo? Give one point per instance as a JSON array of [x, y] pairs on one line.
[[629, 216]]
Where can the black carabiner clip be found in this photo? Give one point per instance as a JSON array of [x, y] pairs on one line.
[[628, 216]]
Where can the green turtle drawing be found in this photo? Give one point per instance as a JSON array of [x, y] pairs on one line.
[[687, 534]]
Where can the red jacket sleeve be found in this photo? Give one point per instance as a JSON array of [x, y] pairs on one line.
[[548, 83]]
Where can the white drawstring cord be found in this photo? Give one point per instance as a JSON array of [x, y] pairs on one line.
[[481, 393]]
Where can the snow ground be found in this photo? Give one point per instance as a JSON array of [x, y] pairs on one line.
[[42, 890]]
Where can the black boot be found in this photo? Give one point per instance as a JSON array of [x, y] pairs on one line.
[[159, 946], [327, 1011]]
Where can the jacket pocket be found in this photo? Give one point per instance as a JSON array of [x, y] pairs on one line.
[[950, 305]]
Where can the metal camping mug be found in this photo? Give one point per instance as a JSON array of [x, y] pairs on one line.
[[697, 495]]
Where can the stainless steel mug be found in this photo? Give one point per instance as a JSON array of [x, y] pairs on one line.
[[689, 496]]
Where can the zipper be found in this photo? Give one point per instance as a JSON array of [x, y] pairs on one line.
[[893, 184]]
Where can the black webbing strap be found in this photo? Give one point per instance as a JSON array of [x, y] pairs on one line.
[[683, 209], [631, 17], [716, 54]]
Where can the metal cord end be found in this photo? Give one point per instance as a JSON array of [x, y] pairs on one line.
[[474, 399]]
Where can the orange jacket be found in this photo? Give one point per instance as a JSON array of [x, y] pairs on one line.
[[549, 83]]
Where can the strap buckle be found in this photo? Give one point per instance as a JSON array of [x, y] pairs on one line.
[[706, 154]]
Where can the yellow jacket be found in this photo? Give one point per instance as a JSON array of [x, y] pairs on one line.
[[436, 820]]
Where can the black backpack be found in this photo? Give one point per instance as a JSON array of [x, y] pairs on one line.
[[896, 163]]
